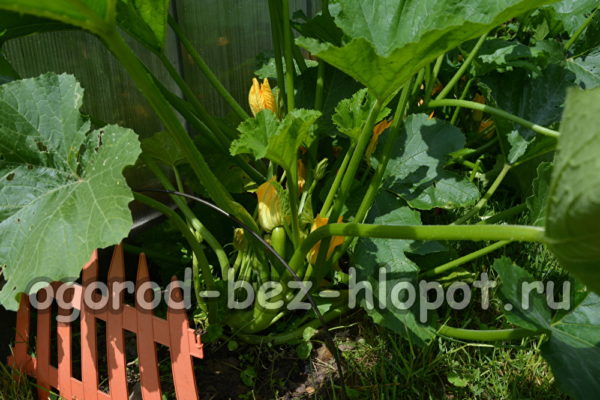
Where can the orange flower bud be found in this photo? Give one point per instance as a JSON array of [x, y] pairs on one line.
[[261, 97], [335, 240]]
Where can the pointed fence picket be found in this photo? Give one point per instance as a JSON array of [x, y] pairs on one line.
[[174, 332]]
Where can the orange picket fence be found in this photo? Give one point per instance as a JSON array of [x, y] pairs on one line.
[[174, 332]]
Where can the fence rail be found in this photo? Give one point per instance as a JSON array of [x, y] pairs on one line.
[[174, 332]]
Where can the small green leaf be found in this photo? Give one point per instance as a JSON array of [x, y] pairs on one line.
[[574, 207], [457, 381], [145, 20], [351, 114], [279, 141], [304, 349], [62, 192], [248, 376], [390, 40], [415, 171]]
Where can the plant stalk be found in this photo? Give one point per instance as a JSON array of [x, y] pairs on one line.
[[463, 68], [208, 73], [495, 111]]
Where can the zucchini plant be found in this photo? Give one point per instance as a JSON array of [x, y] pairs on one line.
[[359, 158]]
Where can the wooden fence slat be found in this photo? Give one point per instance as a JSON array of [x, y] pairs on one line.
[[42, 348], [182, 365], [21, 350], [65, 360], [173, 332], [115, 338], [150, 381], [89, 352]]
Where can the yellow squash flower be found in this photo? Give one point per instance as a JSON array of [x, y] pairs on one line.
[[270, 205], [377, 131], [335, 240], [261, 97]]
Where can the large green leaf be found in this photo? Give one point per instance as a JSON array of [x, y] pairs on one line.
[[62, 192], [145, 19], [372, 254], [539, 99], [574, 198], [572, 13], [573, 350], [267, 137], [415, 171], [16, 25], [390, 40], [573, 345], [97, 16]]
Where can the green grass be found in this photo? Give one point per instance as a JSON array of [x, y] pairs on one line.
[[14, 386], [383, 365]]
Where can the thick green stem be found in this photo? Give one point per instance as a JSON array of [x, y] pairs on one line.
[[296, 334], [277, 46], [196, 104], [357, 157], [377, 178], [486, 197], [208, 73], [495, 111], [349, 175], [185, 231], [195, 223], [288, 42], [185, 109], [337, 181], [462, 97], [387, 155], [146, 85], [496, 335], [292, 185], [419, 232], [504, 215], [580, 30], [449, 266], [463, 68]]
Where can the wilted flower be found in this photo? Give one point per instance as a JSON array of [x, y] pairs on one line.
[[377, 131], [335, 240], [261, 97], [240, 242], [271, 205], [301, 176]]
